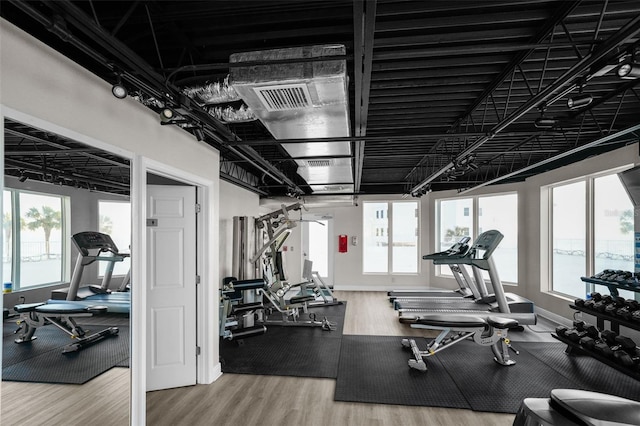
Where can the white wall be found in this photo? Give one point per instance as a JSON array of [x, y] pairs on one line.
[[348, 275], [39, 86]]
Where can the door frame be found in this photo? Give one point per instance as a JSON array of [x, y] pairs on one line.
[[208, 370]]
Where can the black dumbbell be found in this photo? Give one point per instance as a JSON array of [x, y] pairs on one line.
[[624, 350], [580, 330], [629, 359], [623, 276], [561, 330], [603, 345], [635, 316], [612, 308], [601, 304], [595, 297], [579, 302], [626, 311]]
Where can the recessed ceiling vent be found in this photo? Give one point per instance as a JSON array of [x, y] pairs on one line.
[[284, 97], [318, 163]]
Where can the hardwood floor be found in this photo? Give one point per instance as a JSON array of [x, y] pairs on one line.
[[235, 399]]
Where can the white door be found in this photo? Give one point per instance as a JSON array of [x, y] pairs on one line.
[[316, 245], [171, 287]]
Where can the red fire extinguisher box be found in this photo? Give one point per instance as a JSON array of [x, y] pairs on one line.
[[342, 244]]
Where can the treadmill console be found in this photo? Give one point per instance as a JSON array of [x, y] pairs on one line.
[[90, 240], [487, 242]]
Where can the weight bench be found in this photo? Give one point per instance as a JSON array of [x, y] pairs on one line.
[[34, 315], [485, 331]]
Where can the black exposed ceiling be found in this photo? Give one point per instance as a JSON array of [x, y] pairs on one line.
[[442, 95]]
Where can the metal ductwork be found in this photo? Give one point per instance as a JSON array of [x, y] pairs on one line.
[[297, 94]]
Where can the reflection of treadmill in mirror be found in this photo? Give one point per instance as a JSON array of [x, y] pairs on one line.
[[96, 247], [466, 286], [479, 258]]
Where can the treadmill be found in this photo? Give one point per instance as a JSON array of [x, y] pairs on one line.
[[466, 286], [479, 258], [95, 247]]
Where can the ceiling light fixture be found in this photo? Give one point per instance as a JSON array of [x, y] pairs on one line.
[[167, 115], [579, 101], [628, 70], [118, 89], [546, 122]]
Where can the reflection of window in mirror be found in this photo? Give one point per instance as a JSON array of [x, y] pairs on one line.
[[114, 219], [38, 258]]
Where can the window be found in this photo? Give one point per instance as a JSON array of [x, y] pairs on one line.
[[456, 219], [501, 212], [395, 224], [115, 220], [611, 230], [34, 249]]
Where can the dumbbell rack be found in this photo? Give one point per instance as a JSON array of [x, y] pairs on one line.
[[601, 317]]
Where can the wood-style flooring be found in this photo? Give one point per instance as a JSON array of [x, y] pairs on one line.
[[236, 399]]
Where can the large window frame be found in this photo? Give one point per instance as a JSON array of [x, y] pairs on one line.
[[590, 235], [17, 256], [474, 211], [388, 237]]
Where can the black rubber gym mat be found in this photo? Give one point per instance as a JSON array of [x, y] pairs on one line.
[[586, 371], [488, 386], [288, 351], [44, 364], [374, 369]]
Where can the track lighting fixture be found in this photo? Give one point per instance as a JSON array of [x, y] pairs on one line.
[[628, 70], [166, 115], [118, 89], [23, 177], [546, 122], [199, 134], [579, 101]]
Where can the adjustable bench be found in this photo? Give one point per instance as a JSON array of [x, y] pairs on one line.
[[485, 331], [34, 315]]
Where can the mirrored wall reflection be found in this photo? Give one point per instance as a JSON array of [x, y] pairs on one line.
[[66, 249]]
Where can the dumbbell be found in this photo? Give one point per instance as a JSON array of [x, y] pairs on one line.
[[579, 302], [635, 316], [629, 359], [623, 276], [612, 308], [595, 297], [604, 274], [580, 330], [627, 310], [603, 345], [601, 304], [625, 350]]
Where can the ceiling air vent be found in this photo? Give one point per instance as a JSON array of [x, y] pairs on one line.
[[283, 97], [318, 163]]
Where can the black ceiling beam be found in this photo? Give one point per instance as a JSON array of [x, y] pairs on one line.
[[364, 21], [563, 11], [139, 69], [549, 94], [62, 148]]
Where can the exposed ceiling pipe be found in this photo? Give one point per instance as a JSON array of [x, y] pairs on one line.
[[630, 30], [157, 85]]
